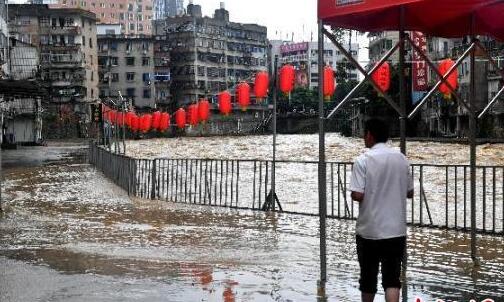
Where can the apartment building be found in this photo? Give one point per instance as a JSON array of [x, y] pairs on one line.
[[134, 16], [4, 45], [126, 65], [66, 39], [210, 54]]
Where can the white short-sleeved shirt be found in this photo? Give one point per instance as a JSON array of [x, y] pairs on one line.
[[384, 176]]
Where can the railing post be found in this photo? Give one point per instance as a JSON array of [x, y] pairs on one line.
[[153, 179]]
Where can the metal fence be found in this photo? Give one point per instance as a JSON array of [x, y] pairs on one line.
[[441, 199]]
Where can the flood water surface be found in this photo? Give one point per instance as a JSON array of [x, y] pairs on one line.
[[68, 234]]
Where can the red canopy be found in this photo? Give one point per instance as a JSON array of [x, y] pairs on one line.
[[441, 18]]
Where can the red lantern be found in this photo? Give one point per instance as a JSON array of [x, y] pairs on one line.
[[146, 123], [128, 118], [243, 95], [135, 123], [203, 110], [180, 118], [452, 79], [329, 84], [156, 119], [261, 85], [381, 76], [192, 114], [164, 122], [225, 102], [287, 76]]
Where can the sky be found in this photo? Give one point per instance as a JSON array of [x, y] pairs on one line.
[[283, 18]]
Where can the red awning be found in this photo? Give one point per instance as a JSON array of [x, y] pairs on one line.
[[441, 18]]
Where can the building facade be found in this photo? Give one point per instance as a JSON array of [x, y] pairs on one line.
[[66, 42], [126, 65], [208, 55], [134, 16], [4, 41], [304, 57], [168, 8]]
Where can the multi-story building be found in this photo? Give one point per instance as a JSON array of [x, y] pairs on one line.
[[134, 16], [208, 55], [66, 41], [4, 41], [162, 76], [304, 57], [126, 65], [168, 8], [380, 43]]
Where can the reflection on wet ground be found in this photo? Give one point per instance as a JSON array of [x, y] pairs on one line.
[[68, 234]]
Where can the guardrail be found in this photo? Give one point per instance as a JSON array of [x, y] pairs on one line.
[[441, 199]]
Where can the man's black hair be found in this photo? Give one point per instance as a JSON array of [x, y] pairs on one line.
[[378, 128]]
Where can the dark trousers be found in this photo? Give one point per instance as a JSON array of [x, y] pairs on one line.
[[387, 252]]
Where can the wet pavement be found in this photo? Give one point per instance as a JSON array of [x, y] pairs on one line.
[[69, 234]]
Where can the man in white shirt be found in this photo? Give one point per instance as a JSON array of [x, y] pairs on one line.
[[381, 181]]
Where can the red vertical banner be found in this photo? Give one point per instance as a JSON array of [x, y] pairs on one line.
[[419, 70]]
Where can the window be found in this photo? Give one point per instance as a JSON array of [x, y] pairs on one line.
[[129, 46], [146, 77], [113, 45], [130, 7], [140, 26], [121, 16], [130, 76], [90, 43], [92, 76], [139, 8], [114, 61], [71, 40], [130, 61], [130, 92], [145, 61], [44, 40], [146, 93], [83, 41], [132, 26], [115, 77], [102, 5], [91, 59]]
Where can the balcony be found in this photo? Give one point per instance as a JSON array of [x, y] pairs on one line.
[[58, 30]]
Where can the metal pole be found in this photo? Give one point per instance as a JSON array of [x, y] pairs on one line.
[[402, 126], [402, 90], [274, 91], [321, 165], [472, 142]]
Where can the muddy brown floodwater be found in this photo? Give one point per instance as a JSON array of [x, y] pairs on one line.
[[69, 234]]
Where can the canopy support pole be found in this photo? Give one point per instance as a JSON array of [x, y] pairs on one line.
[[367, 75], [402, 90], [442, 80], [322, 165], [472, 143], [402, 130]]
